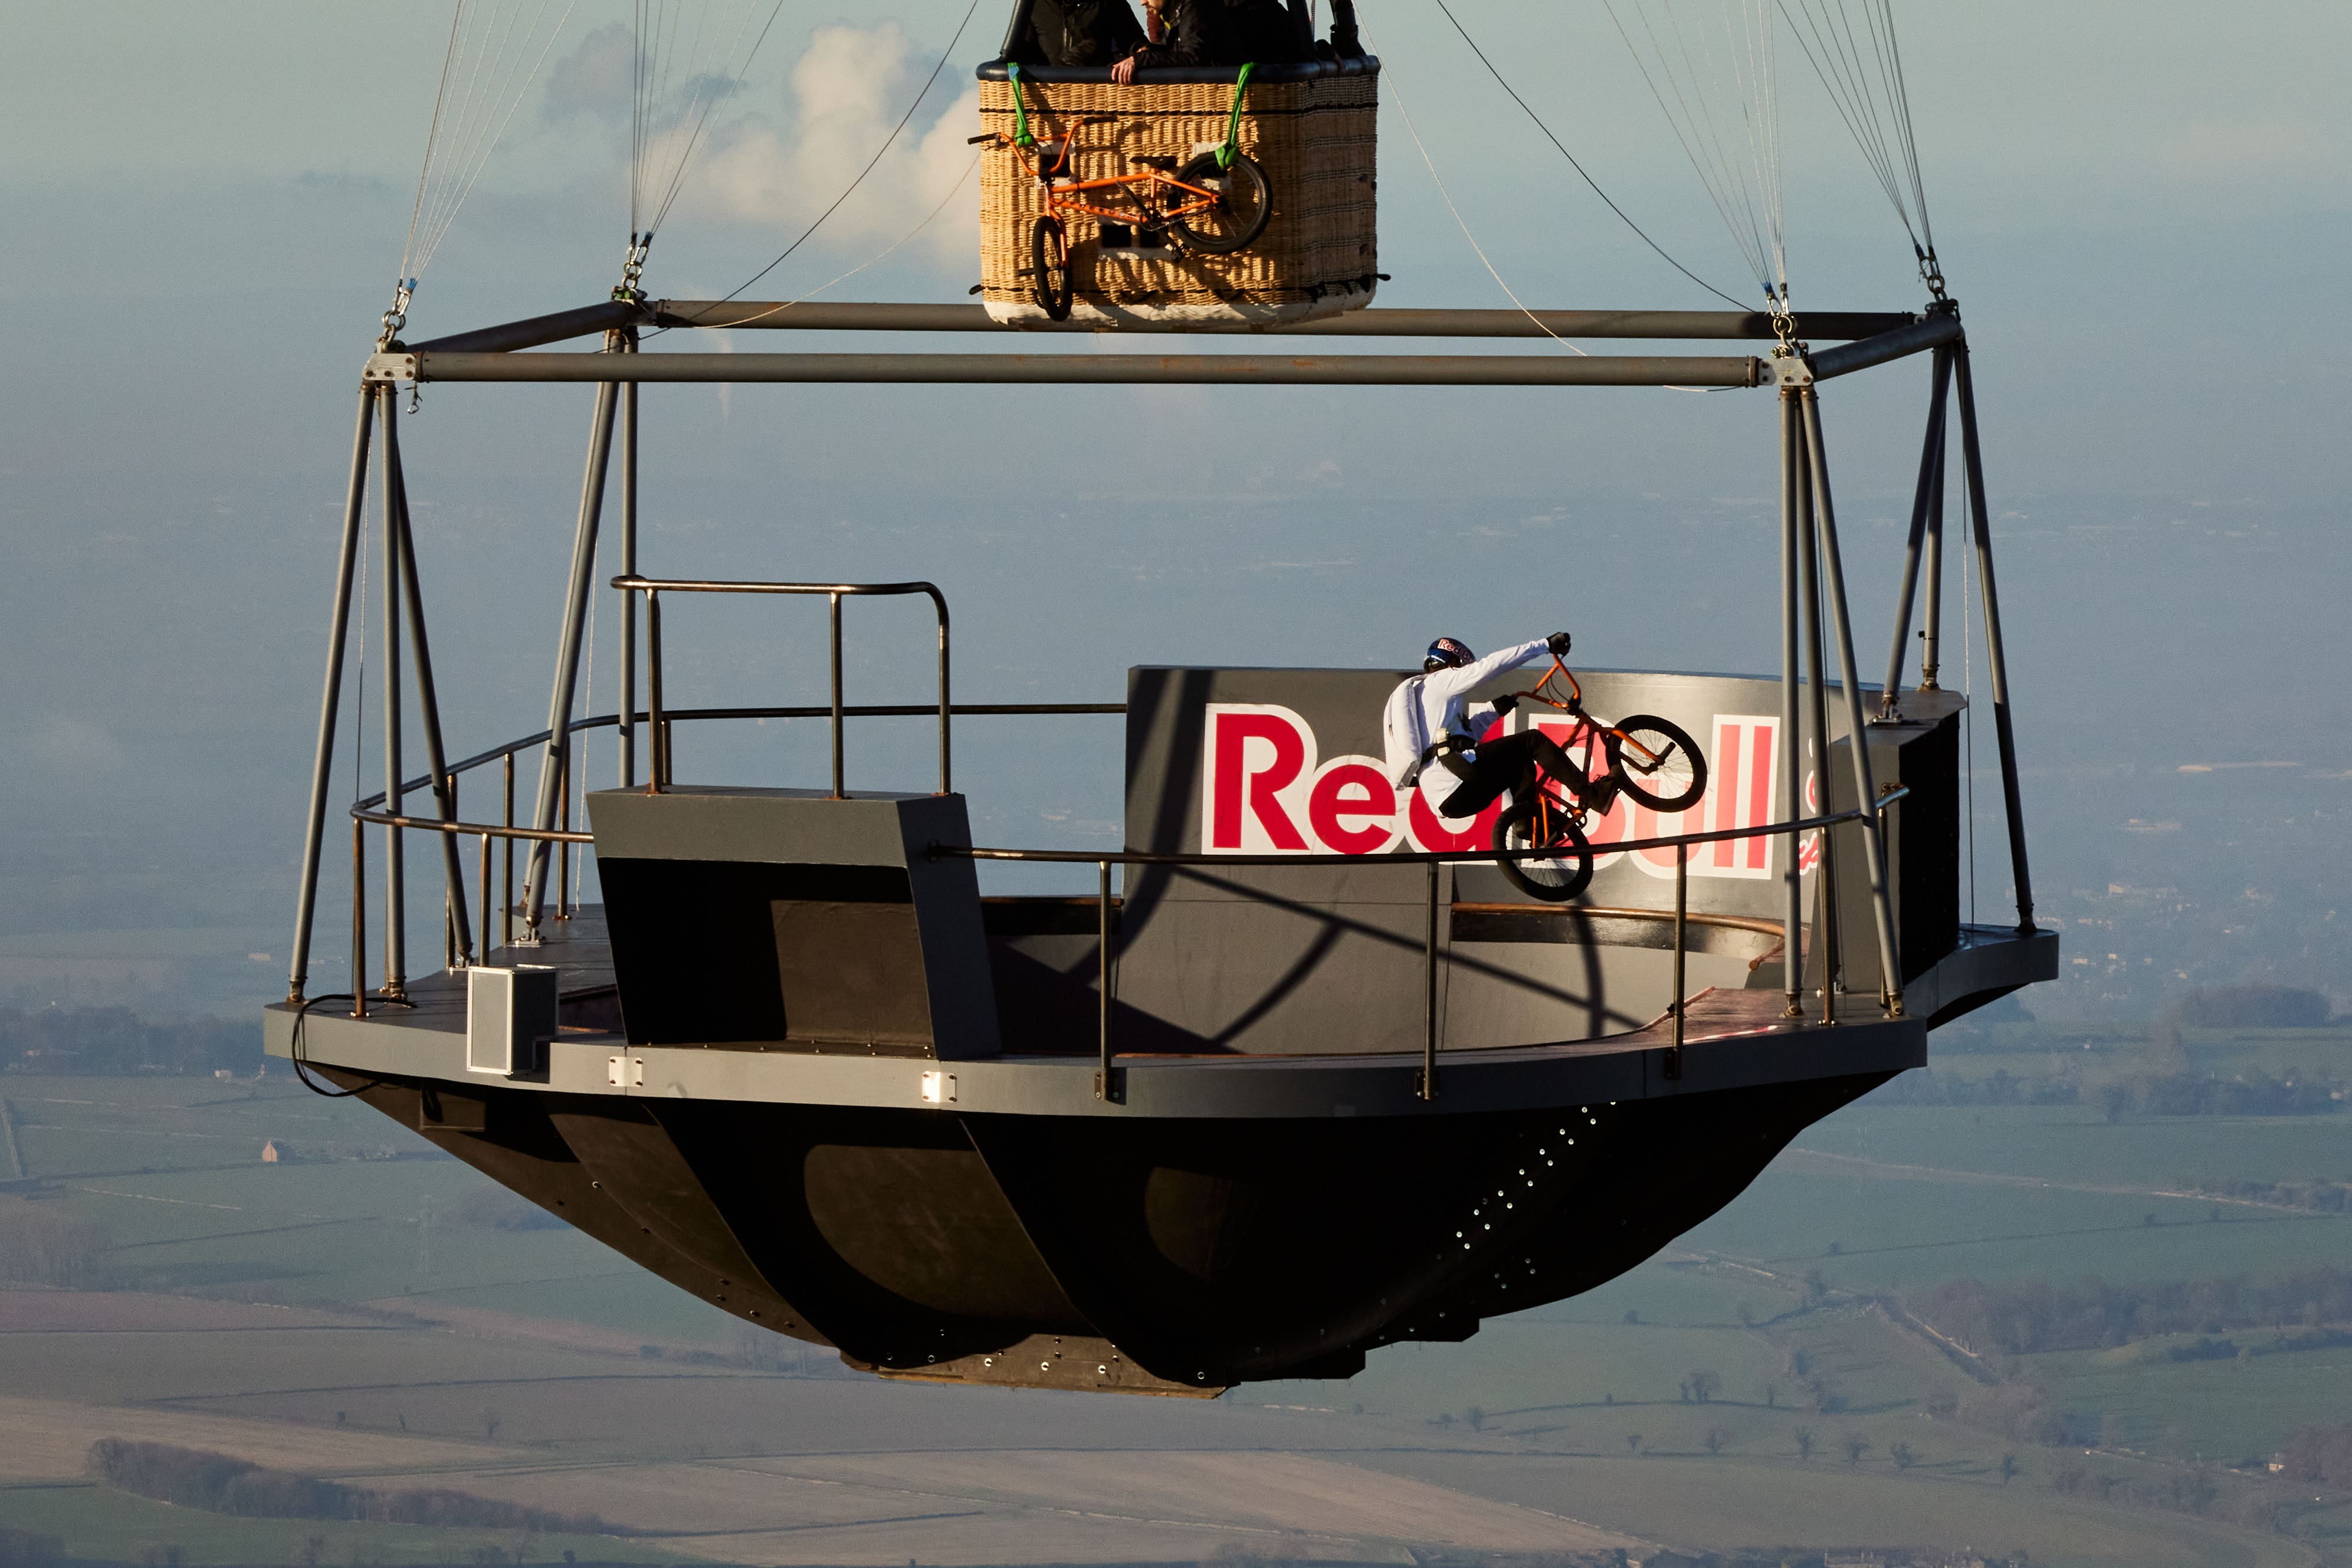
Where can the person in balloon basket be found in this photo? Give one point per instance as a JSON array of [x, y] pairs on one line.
[[1216, 33], [1076, 33], [1431, 732]]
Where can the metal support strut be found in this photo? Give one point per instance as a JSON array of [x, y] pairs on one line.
[[628, 730], [1857, 733], [306, 899], [1792, 752], [567, 658], [1928, 499], [428, 703], [1828, 940], [1996, 658], [395, 885]]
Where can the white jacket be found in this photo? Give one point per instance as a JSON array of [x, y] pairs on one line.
[[1427, 706]]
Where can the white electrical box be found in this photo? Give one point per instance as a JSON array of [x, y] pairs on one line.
[[510, 1015]]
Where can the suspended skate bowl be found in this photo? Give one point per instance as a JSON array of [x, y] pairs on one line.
[[1306, 1077]]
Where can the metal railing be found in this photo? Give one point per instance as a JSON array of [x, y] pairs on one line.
[[367, 811], [658, 776], [1106, 1083]]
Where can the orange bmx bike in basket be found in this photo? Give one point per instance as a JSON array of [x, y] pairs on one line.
[[1650, 759], [1216, 203]]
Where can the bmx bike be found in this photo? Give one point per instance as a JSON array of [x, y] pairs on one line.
[[1216, 203], [1650, 759]]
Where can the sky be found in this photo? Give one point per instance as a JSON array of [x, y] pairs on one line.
[[2142, 209]]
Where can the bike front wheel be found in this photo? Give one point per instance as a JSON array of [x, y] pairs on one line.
[[1049, 268], [1534, 824], [1238, 215], [1658, 763]]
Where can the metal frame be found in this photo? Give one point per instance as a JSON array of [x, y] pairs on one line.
[[659, 776], [1811, 565]]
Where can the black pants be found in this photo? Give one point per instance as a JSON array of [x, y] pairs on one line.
[[1509, 764]]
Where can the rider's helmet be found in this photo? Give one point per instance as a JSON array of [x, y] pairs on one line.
[[1446, 653]]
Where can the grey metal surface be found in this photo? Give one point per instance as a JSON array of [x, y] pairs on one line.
[[306, 899], [1110, 370]]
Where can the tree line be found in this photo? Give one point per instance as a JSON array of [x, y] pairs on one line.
[[116, 1041], [221, 1483], [2025, 1316]]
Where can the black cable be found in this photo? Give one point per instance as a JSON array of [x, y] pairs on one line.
[[1654, 245], [945, 55], [301, 1068]]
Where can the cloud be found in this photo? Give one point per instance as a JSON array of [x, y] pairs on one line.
[[593, 82], [848, 90]]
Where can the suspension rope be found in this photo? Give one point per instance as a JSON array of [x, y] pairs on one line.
[[1396, 92], [494, 54], [703, 85], [1864, 77], [887, 142], [1579, 167]]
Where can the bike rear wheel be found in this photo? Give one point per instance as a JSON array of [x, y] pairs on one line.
[[1049, 268], [1658, 763], [1532, 824], [1244, 204]]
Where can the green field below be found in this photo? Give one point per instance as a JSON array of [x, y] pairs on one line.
[[99, 1524]]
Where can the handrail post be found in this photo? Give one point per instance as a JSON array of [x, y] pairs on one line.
[[506, 900], [564, 824], [359, 918], [836, 601], [1682, 916], [658, 775], [323, 758], [1106, 1086], [485, 873], [947, 774], [1427, 1088], [453, 910]]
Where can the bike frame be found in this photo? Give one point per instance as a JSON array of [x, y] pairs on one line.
[[1060, 192]]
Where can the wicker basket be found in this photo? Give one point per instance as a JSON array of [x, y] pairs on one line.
[[1311, 128]]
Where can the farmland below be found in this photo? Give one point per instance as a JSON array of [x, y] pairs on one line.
[[2065, 1327]]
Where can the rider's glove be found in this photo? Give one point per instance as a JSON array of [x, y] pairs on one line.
[[1557, 645], [1507, 701]]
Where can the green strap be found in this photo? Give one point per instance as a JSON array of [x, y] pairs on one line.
[[1020, 137], [1234, 122]]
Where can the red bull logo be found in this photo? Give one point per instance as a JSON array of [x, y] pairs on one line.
[[1266, 789]]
